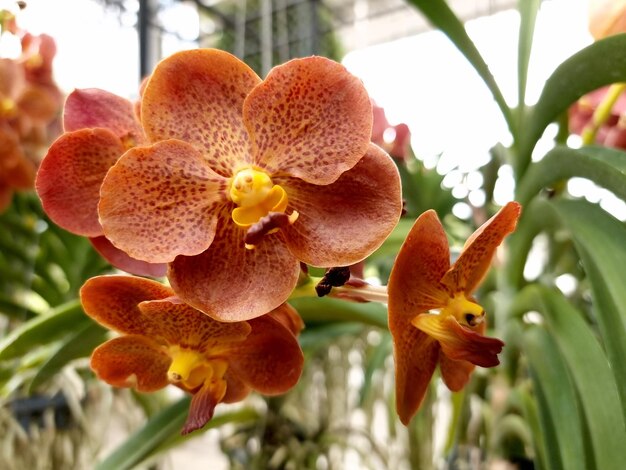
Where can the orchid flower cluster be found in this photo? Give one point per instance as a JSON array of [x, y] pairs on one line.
[[30, 104], [230, 186]]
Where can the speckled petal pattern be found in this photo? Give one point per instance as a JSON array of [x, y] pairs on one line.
[[415, 356], [201, 409], [187, 327], [473, 264], [131, 361], [342, 223], [92, 107], [422, 261], [231, 283], [70, 176], [310, 118], [270, 359], [455, 374], [113, 302], [37, 104], [197, 96], [122, 261], [161, 201]]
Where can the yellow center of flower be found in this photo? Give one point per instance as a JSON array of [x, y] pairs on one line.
[[191, 368], [7, 107], [464, 311], [256, 196]]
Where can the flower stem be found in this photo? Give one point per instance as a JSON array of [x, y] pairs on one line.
[[602, 113]]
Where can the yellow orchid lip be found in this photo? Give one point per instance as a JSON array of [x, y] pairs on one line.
[[256, 197]]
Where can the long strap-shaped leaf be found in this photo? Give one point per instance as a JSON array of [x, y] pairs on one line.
[[440, 15], [528, 15], [599, 64], [590, 372], [160, 430], [562, 430], [605, 166], [600, 240]]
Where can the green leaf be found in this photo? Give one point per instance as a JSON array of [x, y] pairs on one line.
[[317, 335], [159, 432], [604, 166], [324, 309], [589, 370], [80, 343], [528, 15], [599, 64], [441, 16], [556, 397], [600, 240], [375, 362], [42, 330]]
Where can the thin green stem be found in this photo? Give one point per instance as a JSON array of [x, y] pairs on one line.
[[602, 113]]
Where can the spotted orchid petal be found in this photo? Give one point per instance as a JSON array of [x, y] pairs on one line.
[[180, 324], [91, 108], [289, 317], [202, 407], [12, 78], [270, 359], [459, 342], [159, 202], [131, 361], [70, 176], [341, 223], [231, 283], [122, 261], [236, 390], [197, 96], [472, 266], [310, 119], [422, 261], [455, 374], [113, 302], [37, 104], [415, 356]]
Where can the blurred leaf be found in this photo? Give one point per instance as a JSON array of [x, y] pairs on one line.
[[422, 190], [394, 241], [531, 413], [441, 16], [528, 15], [80, 343], [600, 240], [599, 64], [42, 330], [375, 362], [324, 309], [562, 434], [163, 430], [317, 335], [590, 372], [604, 166]]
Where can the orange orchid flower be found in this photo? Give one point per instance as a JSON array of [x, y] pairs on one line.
[[164, 341], [99, 128], [25, 110], [433, 317], [247, 178]]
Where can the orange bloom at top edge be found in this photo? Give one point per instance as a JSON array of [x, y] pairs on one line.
[[164, 341], [433, 317], [246, 178]]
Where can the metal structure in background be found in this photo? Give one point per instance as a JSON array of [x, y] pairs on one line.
[[267, 32]]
